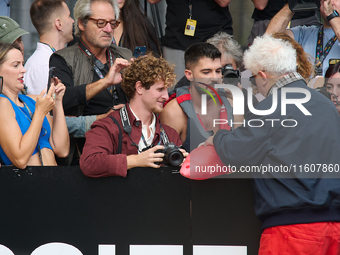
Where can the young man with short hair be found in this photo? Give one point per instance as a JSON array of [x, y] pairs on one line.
[[203, 69], [54, 24]]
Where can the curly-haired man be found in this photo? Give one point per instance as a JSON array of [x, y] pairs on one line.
[[131, 136]]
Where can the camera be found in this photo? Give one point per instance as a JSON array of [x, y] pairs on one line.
[[172, 155], [303, 5], [232, 76]]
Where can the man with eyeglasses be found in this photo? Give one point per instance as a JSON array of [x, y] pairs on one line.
[[291, 155], [91, 68]]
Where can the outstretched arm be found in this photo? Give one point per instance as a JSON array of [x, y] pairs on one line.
[[280, 21]]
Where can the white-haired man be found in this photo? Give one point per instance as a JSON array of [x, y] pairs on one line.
[[300, 213]]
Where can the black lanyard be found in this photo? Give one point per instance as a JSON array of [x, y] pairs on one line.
[[321, 54], [128, 129], [190, 9], [99, 66]]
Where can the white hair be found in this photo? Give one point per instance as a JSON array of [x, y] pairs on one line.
[[82, 10], [275, 56], [230, 48]]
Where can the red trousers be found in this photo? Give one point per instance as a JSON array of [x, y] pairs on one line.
[[319, 238]]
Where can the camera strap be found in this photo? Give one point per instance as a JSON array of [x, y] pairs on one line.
[[98, 66], [128, 128], [320, 53]]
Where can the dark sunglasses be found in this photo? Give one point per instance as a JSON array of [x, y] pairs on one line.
[[102, 22], [252, 80]]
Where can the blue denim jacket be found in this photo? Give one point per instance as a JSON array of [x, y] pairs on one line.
[[78, 126]]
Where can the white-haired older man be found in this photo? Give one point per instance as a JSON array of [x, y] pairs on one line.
[[300, 213]]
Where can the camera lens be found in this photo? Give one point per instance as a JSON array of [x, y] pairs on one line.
[[230, 76], [174, 156]]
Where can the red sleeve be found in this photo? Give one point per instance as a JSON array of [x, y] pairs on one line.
[[98, 158]]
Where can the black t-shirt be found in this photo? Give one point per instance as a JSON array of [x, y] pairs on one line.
[[273, 7], [76, 95], [210, 17]]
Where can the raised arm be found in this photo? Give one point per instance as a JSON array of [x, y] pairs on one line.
[[280, 21], [78, 94], [328, 7], [19, 148], [113, 77], [59, 139]]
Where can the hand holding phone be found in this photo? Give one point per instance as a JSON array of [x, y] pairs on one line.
[[51, 75], [139, 51]]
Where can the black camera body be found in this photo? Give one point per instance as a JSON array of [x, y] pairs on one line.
[[230, 75], [303, 5], [172, 155]]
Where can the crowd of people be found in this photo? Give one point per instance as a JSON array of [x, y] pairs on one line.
[[94, 104]]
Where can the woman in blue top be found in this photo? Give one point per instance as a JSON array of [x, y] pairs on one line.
[[28, 134]]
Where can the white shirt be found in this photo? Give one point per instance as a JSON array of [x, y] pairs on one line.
[[37, 67], [152, 129]]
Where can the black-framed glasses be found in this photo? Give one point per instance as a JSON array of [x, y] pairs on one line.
[[252, 79], [102, 22]]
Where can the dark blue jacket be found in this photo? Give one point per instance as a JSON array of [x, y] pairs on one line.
[[294, 197]]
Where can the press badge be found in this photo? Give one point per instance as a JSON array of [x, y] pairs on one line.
[[190, 27]]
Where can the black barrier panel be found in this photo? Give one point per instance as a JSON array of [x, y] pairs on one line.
[[223, 214], [41, 205], [59, 204]]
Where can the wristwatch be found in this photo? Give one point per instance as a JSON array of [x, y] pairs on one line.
[[333, 15]]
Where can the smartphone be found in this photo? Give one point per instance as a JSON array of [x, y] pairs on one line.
[[51, 75], [139, 51]]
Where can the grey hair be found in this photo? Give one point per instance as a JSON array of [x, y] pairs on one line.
[[230, 47], [82, 10], [275, 56]]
